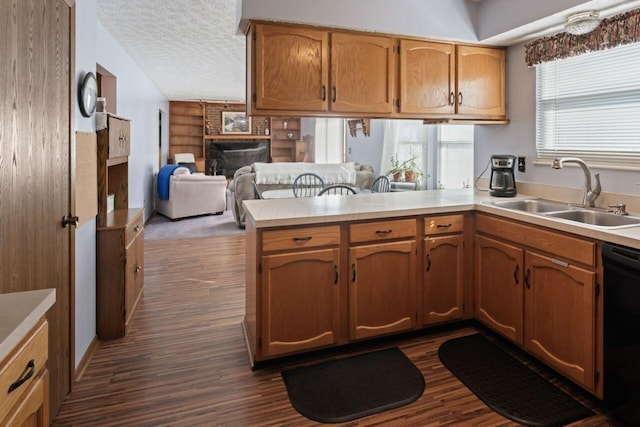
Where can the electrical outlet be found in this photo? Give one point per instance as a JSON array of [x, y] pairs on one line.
[[521, 164]]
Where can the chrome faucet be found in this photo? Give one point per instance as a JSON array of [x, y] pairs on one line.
[[590, 194]]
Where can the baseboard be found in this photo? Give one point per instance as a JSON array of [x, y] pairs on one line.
[[86, 359]]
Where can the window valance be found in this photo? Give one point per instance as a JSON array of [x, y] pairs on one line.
[[615, 31]]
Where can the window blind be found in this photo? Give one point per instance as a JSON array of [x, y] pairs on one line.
[[589, 106]]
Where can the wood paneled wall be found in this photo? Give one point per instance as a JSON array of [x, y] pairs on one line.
[[36, 57]]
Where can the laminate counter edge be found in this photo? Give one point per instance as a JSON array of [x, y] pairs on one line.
[[19, 313]]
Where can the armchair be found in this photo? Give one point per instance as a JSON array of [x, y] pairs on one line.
[[193, 194]]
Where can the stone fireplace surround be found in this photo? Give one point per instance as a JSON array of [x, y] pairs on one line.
[[224, 157]]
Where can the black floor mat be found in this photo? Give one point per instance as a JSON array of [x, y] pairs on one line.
[[354, 387], [507, 386]]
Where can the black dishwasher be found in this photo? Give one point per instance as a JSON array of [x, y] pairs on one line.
[[622, 332]]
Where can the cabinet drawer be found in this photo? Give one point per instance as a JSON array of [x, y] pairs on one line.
[[135, 227], [300, 238], [554, 242], [18, 366], [119, 135], [443, 224], [382, 230]]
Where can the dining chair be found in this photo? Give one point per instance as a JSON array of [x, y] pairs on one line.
[[307, 185], [339, 189], [381, 185]]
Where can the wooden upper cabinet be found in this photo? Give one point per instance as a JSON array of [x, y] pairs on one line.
[[481, 82], [427, 77], [291, 68], [361, 73]]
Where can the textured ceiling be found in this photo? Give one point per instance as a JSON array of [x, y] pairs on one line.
[[189, 48]]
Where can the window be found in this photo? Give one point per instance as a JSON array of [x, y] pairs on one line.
[[443, 152], [455, 156], [589, 106]]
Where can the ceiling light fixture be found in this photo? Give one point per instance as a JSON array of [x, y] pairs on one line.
[[582, 23]]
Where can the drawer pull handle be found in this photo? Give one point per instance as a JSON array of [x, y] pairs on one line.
[[527, 276], [443, 225], [428, 262], [31, 367], [381, 232], [515, 274], [335, 270], [302, 239], [353, 269]]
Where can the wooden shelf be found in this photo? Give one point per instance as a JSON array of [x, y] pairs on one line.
[[236, 136]]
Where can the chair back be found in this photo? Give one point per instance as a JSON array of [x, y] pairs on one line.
[[381, 185], [307, 185], [339, 189], [256, 191]]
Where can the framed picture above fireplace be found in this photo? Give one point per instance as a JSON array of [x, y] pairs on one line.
[[235, 122]]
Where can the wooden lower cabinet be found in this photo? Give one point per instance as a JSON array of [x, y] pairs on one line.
[[443, 279], [24, 398], [499, 303], [541, 301], [559, 310], [120, 272], [382, 289], [300, 301]]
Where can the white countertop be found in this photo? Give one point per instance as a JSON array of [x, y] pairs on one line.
[[19, 313], [318, 210]]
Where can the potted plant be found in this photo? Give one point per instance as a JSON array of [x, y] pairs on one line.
[[412, 171], [397, 168]]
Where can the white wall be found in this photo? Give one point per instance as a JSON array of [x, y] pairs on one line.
[[139, 100], [518, 138], [449, 19], [85, 242]]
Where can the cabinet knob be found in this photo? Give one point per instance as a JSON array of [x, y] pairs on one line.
[[137, 269], [136, 228]]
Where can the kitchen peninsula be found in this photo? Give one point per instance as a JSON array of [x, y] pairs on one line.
[[324, 272]]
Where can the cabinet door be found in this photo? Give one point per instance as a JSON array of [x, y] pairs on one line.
[[427, 77], [300, 301], [291, 68], [361, 73], [33, 408], [382, 289], [130, 281], [560, 316], [481, 82], [119, 133], [139, 266], [499, 287], [443, 279]]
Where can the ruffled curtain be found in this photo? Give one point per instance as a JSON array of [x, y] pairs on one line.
[[612, 32]]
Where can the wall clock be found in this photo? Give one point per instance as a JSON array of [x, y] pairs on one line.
[[88, 94]]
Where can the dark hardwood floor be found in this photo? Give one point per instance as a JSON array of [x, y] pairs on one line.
[[184, 362]]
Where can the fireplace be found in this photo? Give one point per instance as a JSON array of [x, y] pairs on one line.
[[225, 157]]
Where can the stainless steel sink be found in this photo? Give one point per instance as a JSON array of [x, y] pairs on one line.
[[532, 205], [598, 218]]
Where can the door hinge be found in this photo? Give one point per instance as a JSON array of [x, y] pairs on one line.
[[597, 289], [596, 374], [254, 97]]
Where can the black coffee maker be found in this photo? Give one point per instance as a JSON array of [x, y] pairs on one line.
[[503, 180]]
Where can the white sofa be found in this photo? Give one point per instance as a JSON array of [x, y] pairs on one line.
[[193, 194]]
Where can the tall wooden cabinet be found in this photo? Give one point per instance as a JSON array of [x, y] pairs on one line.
[[186, 130], [541, 293], [120, 233]]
